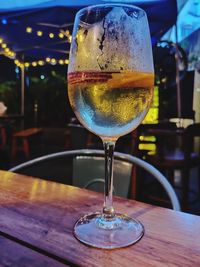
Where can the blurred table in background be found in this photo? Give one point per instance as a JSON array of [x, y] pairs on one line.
[[21, 140]]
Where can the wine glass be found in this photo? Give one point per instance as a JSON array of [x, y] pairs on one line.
[[110, 88]]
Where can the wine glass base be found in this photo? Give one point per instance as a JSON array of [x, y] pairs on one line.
[[117, 232]]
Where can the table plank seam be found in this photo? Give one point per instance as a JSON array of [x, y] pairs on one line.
[[37, 249]]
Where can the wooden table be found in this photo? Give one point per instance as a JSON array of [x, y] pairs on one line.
[[36, 228]]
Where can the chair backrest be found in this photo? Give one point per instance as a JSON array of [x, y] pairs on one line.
[[78, 136], [57, 167]]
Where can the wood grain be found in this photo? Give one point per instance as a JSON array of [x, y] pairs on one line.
[[43, 213], [14, 254]]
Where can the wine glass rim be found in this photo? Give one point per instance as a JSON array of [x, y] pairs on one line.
[[82, 10]]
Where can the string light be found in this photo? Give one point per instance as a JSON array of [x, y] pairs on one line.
[[61, 35], [48, 60], [39, 33], [6, 50], [67, 34], [51, 35], [41, 62], [53, 61], [11, 54], [29, 29], [70, 39], [61, 62], [34, 64]]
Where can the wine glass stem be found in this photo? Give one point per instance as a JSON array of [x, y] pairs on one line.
[[108, 210]]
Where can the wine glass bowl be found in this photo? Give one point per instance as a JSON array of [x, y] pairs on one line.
[[110, 88]]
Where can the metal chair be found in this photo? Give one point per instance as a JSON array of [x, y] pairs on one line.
[[78, 136], [58, 167]]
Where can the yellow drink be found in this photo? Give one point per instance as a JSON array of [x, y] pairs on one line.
[[110, 104]]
